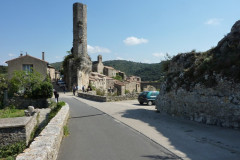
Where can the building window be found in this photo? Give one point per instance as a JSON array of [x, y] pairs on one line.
[[27, 67]]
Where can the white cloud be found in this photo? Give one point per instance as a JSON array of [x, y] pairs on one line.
[[130, 41], [214, 21], [11, 55], [159, 55], [119, 58], [59, 57], [146, 61], [97, 49]]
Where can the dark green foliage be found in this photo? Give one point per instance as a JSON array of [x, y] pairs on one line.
[[55, 110], [100, 92], [3, 86], [147, 72], [30, 85], [12, 150], [3, 69], [118, 77], [43, 90], [65, 61], [57, 65]]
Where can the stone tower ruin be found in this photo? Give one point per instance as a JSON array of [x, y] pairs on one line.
[[80, 65]]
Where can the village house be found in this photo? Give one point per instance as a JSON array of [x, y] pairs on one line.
[[102, 77], [29, 63]]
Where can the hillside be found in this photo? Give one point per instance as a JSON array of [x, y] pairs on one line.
[[57, 65], [148, 72], [207, 68]]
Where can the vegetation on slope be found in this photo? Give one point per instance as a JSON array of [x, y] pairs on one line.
[[147, 72]]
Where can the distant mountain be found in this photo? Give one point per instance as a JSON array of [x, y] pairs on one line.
[[147, 72], [57, 65]]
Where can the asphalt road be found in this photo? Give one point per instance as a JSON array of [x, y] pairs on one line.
[[97, 136]]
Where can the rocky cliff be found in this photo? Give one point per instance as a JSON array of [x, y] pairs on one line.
[[205, 87]]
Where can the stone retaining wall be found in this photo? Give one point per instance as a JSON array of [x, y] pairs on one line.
[[17, 129], [92, 97], [108, 98], [23, 103], [214, 106], [47, 144]]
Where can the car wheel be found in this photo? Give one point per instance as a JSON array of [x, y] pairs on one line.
[[149, 103], [141, 102]]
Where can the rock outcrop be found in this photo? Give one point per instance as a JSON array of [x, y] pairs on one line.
[[204, 87]]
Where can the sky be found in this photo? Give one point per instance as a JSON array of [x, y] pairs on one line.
[[135, 30]]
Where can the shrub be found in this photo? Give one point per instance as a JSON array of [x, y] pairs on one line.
[[100, 92], [12, 150], [127, 91], [30, 85]]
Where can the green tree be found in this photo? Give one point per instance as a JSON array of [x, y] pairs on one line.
[[3, 86], [30, 85]]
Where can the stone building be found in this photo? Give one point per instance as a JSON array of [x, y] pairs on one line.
[[29, 63], [51, 72], [133, 84], [98, 65], [109, 71], [98, 80]]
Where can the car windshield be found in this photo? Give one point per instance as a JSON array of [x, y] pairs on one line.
[[144, 93]]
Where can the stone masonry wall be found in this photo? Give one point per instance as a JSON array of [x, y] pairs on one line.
[[18, 129], [214, 106], [47, 144], [108, 98]]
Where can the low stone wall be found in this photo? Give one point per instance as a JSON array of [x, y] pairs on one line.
[[122, 98], [92, 97], [23, 103], [108, 98], [214, 106], [47, 144], [17, 129]]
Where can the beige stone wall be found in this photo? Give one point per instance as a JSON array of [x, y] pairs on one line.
[[98, 67], [109, 72], [99, 83], [133, 87], [120, 89], [110, 83], [83, 79], [51, 73], [16, 65]]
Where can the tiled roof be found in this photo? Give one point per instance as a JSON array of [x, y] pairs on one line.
[[26, 56]]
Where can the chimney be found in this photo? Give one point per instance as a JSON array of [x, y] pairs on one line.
[[21, 55], [43, 56]]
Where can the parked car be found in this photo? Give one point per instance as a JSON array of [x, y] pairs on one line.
[[148, 97], [60, 83]]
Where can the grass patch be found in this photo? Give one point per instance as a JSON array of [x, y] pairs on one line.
[[55, 110], [11, 151], [11, 112], [65, 130]]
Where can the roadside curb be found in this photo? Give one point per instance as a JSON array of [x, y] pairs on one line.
[[47, 144]]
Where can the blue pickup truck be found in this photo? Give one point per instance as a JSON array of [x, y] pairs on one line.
[[148, 97]]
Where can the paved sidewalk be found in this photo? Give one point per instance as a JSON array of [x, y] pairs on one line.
[[187, 139]]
